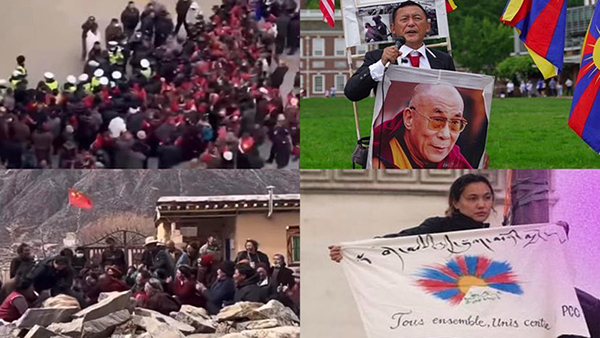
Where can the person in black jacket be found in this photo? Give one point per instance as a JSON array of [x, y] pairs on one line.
[[280, 273], [470, 203], [164, 28], [411, 22], [130, 17], [247, 289], [22, 264], [182, 8], [251, 255], [54, 274], [222, 291]]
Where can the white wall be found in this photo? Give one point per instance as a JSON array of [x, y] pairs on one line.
[[578, 203]]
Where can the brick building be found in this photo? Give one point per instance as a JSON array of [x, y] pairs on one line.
[[323, 62]]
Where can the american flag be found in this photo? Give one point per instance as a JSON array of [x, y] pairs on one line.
[[328, 9]]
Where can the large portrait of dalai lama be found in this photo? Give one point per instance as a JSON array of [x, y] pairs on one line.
[[436, 119]]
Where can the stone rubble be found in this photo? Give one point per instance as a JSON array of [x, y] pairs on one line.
[[114, 316]]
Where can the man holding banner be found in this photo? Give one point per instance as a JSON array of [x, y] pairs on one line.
[[410, 21]]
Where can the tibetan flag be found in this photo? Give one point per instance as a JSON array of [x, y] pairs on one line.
[[79, 200], [494, 283], [450, 6], [541, 25], [585, 109], [328, 10]]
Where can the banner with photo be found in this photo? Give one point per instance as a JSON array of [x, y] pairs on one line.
[[432, 119], [494, 283], [369, 21]]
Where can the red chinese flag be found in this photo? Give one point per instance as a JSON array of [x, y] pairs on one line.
[[79, 200]]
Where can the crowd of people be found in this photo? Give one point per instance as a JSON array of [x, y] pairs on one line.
[[164, 279], [209, 100], [541, 88]]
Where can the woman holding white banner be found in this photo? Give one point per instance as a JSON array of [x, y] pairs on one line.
[[470, 203]]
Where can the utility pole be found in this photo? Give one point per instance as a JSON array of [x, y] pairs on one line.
[[530, 195]]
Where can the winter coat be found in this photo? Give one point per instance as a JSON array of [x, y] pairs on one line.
[[249, 291], [258, 257], [130, 18], [268, 290], [21, 266], [45, 277], [186, 293], [221, 292], [113, 33], [162, 264], [123, 153], [283, 276], [456, 222]]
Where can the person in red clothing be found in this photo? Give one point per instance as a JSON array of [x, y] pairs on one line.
[[207, 273], [424, 134], [158, 300], [112, 280], [15, 305], [140, 295], [184, 287], [108, 282]]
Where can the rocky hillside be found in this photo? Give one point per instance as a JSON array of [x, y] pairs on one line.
[[34, 203]]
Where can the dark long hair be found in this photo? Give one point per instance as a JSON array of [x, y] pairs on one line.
[[458, 187]]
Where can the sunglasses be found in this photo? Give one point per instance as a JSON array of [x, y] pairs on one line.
[[438, 123]]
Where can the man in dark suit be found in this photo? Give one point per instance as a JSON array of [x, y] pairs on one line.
[[411, 22]]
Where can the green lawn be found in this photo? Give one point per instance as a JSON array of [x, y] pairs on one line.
[[523, 133]]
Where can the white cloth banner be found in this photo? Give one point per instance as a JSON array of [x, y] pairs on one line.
[[491, 283]]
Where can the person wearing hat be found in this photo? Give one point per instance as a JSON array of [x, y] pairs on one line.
[[247, 289], [113, 256], [116, 58], [184, 287], [16, 78], [111, 281], [95, 83], [84, 83], [71, 84], [51, 83], [222, 291], [162, 265], [146, 70]]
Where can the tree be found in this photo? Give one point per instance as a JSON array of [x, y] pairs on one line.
[[479, 40], [481, 44], [517, 67]]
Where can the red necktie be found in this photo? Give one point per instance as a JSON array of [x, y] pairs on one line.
[[414, 59]]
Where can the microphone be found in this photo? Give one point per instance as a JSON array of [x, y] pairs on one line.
[[400, 41]]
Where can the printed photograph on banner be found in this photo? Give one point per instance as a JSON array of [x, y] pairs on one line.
[[370, 22], [180, 247], [450, 253], [433, 119], [375, 21]]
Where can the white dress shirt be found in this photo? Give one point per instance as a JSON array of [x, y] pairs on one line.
[[377, 69]]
